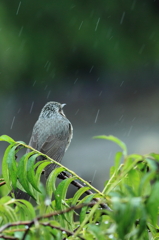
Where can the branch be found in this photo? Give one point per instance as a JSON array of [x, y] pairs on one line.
[[8, 237], [2, 183], [30, 223], [64, 175]]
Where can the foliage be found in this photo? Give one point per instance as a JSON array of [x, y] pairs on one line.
[[127, 208]]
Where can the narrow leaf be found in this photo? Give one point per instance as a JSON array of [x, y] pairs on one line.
[[22, 173], [61, 191], [12, 166], [31, 171], [5, 170], [29, 209], [51, 181], [83, 213], [115, 140], [7, 139]]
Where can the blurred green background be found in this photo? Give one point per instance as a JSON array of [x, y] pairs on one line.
[[58, 41], [100, 57]]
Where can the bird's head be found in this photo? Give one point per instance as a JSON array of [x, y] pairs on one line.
[[52, 108]]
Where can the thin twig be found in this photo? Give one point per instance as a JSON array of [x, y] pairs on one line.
[[2, 183], [27, 223], [69, 233], [28, 229], [8, 237]]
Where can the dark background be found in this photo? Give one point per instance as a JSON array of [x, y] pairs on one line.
[[101, 58]]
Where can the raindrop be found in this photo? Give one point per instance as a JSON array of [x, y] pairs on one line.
[[98, 79], [142, 48], [106, 222], [122, 18], [34, 83], [110, 154], [20, 32], [18, 8], [133, 119], [121, 83], [45, 87], [52, 74], [48, 66], [75, 80], [19, 110], [91, 69], [48, 94], [94, 176], [100, 93], [80, 25], [47, 201], [97, 116], [130, 131], [111, 236], [76, 112], [12, 122], [31, 107], [97, 24], [121, 117]]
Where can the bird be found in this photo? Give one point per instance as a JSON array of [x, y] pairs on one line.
[[51, 135]]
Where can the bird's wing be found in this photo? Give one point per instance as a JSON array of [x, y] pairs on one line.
[[54, 147], [33, 142]]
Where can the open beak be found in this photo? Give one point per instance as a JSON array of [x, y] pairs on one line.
[[62, 105]]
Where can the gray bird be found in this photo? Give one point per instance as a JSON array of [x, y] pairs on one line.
[[52, 134]]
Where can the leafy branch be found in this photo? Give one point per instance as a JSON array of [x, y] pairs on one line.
[[131, 191]]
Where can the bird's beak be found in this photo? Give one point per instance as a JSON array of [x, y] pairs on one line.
[[63, 105]]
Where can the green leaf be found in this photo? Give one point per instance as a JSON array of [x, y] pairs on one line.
[[96, 232], [155, 156], [78, 194], [12, 166], [4, 199], [8, 213], [41, 166], [117, 160], [115, 140], [61, 191], [153, 203], [7, 139], [153, 165], [27, 207], [22, 173], [84, 210], [51, 181], [31, 171], [8, 156], [75, 201], [144, 186]]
